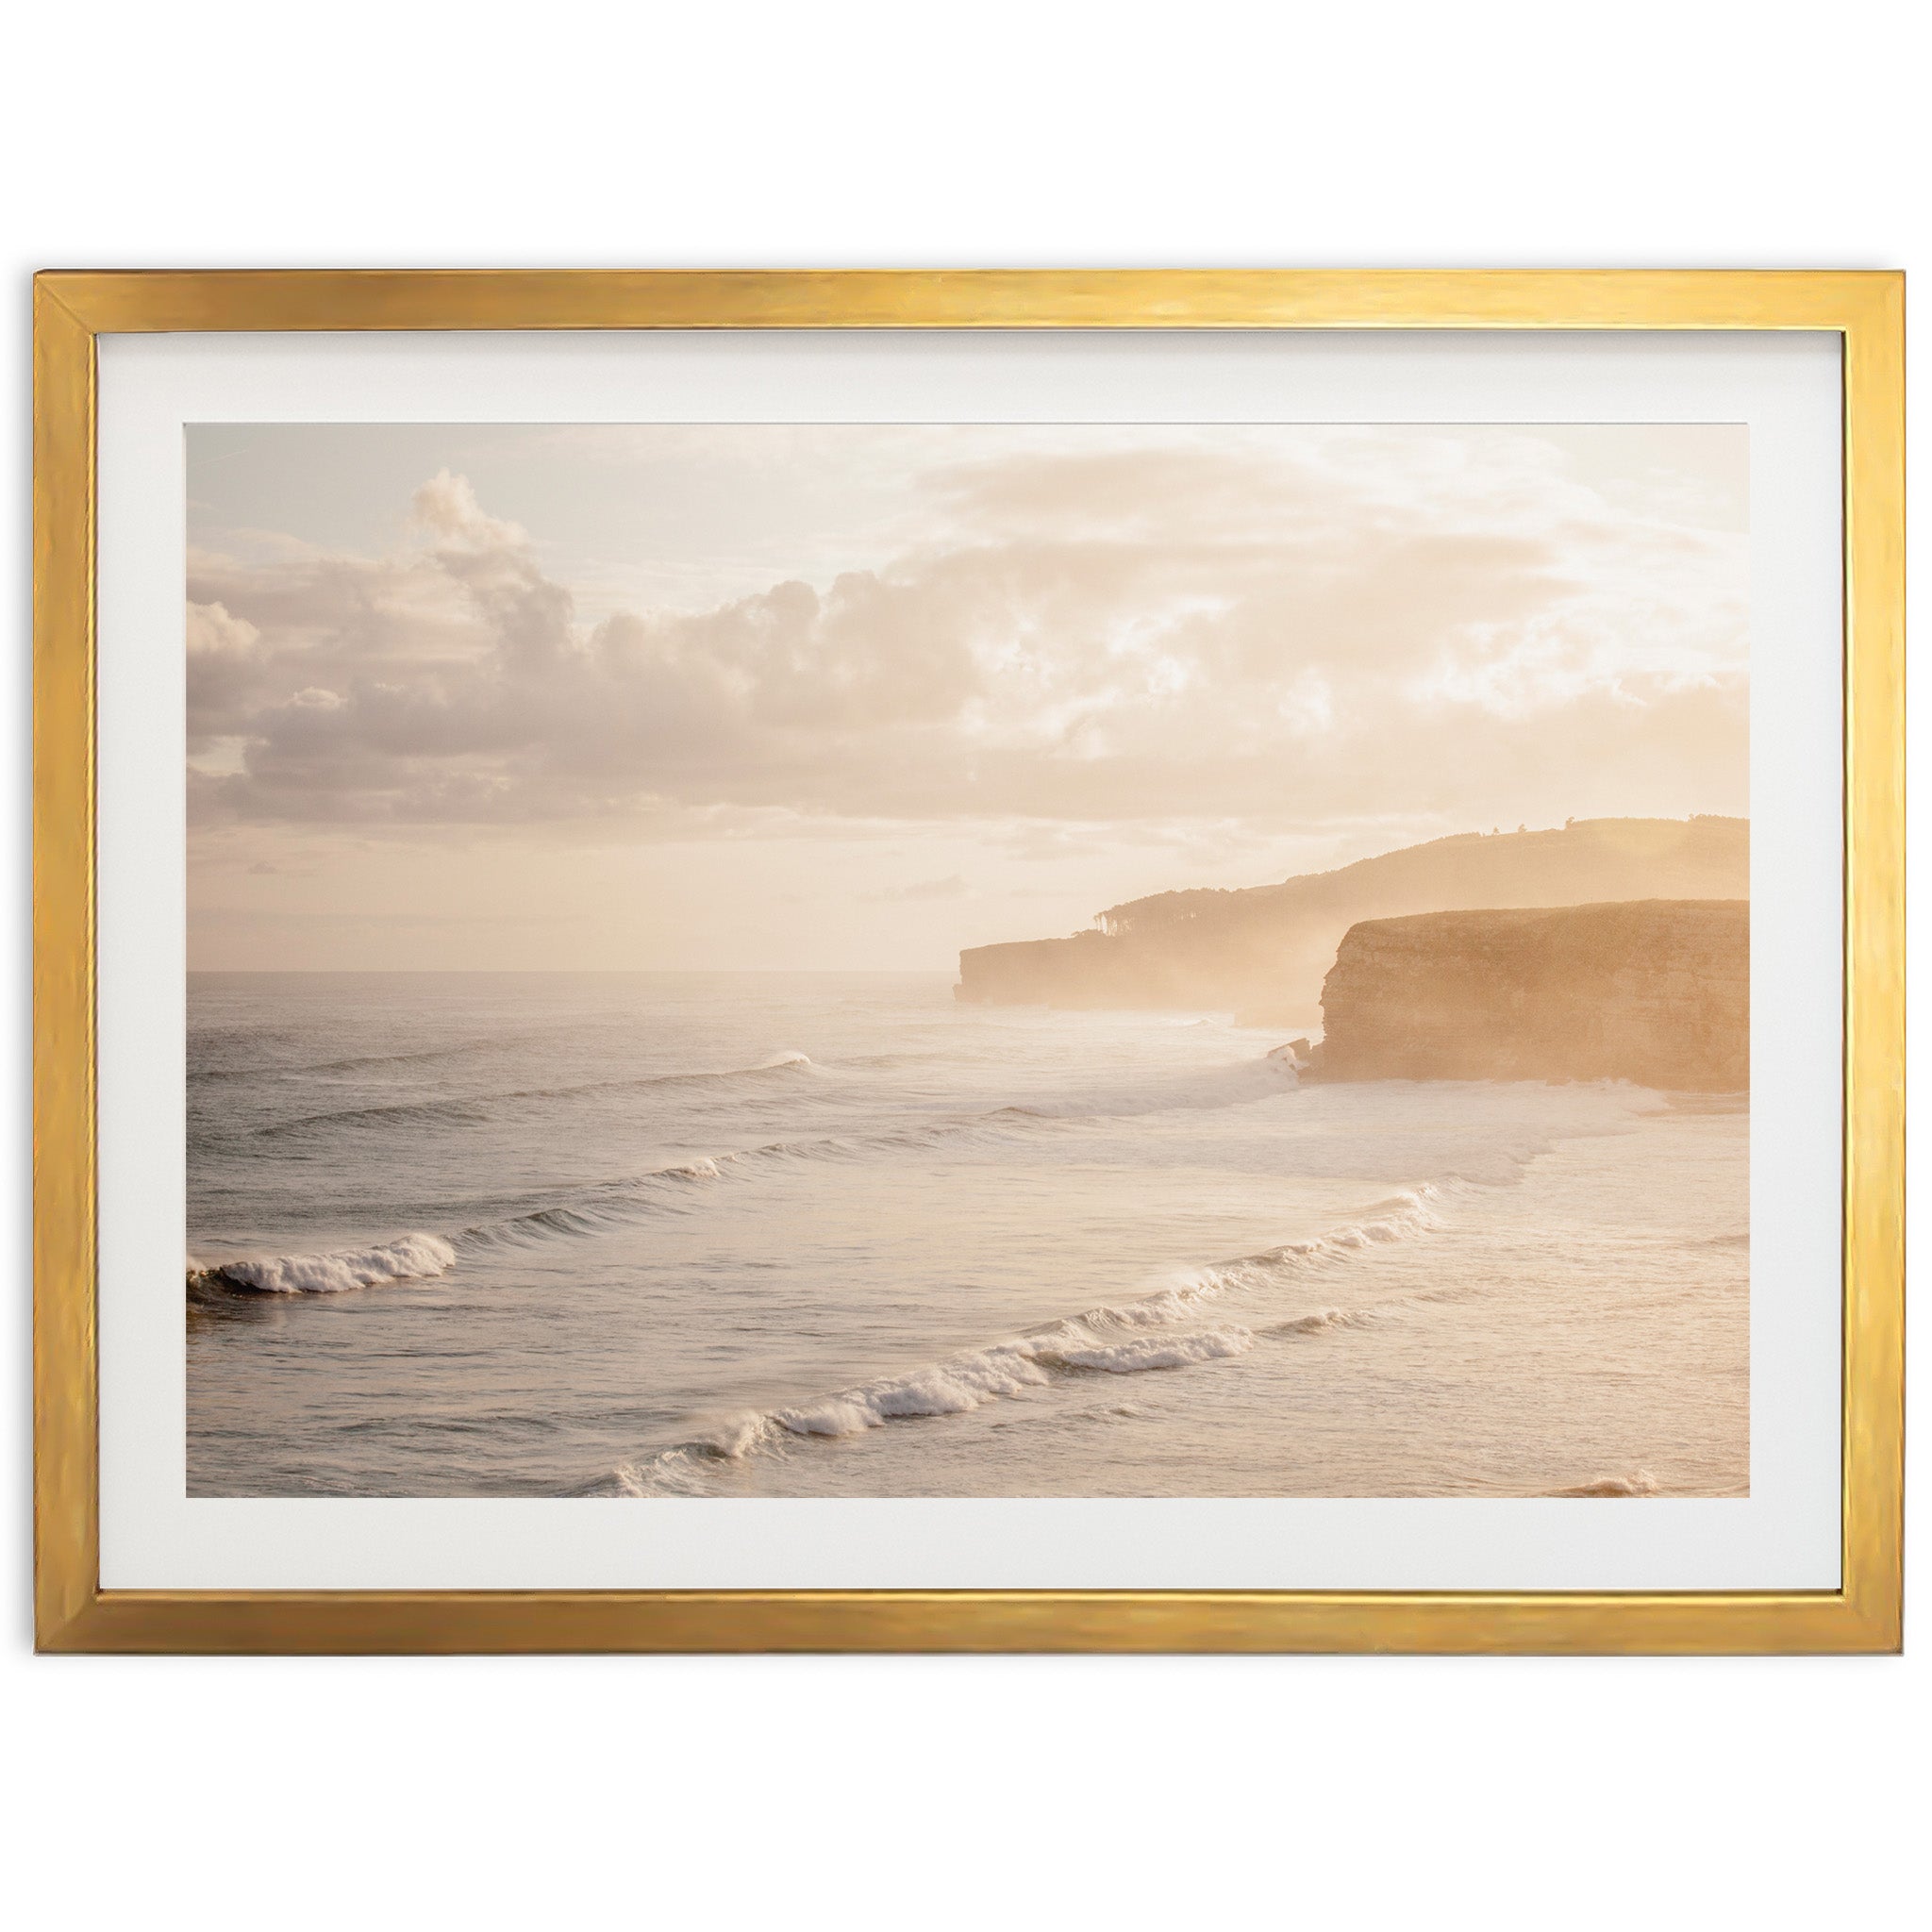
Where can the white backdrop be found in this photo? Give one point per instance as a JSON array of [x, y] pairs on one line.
[[1352, 1792]]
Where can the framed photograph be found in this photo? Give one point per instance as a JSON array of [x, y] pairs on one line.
[[984, 961]]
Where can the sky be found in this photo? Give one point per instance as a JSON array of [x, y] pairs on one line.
[[845, 696]]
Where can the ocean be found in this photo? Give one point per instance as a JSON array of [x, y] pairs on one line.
[[731, 1235]]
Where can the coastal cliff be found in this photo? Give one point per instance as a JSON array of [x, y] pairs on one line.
[[1260, 952], [1654, 991]]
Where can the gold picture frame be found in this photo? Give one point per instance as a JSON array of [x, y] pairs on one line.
[[73, 1613]]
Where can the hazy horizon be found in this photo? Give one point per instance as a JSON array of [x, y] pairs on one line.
[[710, 972], [839, 698]]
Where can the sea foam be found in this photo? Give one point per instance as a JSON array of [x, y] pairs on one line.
[[409, 1257], [1641, 1483], [1161, 1330]]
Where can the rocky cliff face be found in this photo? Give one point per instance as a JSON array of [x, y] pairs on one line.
[[1654, 991], [1261, 952]]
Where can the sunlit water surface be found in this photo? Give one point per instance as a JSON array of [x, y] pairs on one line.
[[761, 1235]]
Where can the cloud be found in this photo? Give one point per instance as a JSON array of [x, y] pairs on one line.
[[213, 631], [447, 509], [1355, 623]]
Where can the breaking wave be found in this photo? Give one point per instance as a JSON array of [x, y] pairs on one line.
[[668, 1189], [1169, 1329], [1641, 1483], [408, 1258], [593, 1211], [1239, 1084], [677, 1187]]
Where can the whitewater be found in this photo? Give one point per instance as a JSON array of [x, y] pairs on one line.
[[658, 1236]]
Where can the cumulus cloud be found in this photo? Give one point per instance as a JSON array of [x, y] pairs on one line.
[[447, 509], [213, 631], [1351, 623]]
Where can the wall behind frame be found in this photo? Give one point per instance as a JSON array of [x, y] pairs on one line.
[[1359, 1792]]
